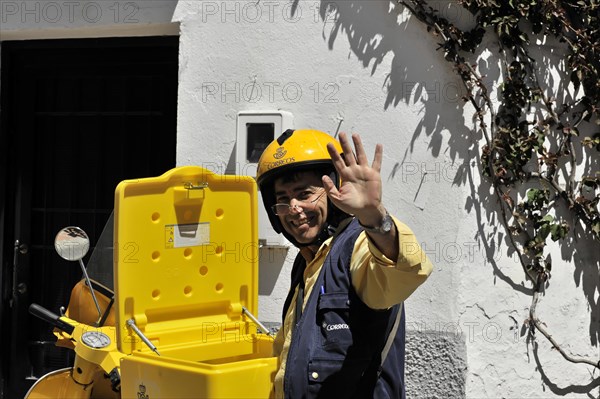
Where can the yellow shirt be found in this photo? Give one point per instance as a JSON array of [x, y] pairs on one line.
[[379, 282]]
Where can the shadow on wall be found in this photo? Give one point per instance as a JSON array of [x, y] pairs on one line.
[[375, 30], [577, 389], [372, 30]]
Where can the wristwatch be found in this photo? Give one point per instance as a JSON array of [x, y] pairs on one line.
[[384, 228]]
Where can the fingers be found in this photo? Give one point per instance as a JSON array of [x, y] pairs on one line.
[[347, 148], [349, 158], [329, 186], [338, 162], [361, 156], [378, 157]]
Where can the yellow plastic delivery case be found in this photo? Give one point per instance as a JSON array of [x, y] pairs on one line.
[[186, 265]]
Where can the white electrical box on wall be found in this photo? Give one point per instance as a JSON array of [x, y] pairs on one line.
[[255, 131]]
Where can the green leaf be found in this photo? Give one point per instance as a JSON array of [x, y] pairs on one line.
[[558, 231], [532, 194], [596, 228], [589, 142], [574, 131], [543, 233], [523, 36], [589, 183]]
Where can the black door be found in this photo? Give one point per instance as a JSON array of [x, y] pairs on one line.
[[77, 117]]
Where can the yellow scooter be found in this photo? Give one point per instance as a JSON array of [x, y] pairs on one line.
[[87, 327]]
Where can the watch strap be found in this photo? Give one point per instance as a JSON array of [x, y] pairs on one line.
[[381, 229]]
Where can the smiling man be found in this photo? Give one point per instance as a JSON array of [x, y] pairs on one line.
[[343, 320]]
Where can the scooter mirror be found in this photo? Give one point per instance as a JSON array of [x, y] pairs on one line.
[[72, 243]]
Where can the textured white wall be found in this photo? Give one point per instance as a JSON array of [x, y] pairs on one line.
[[366, 67], [34, 19]]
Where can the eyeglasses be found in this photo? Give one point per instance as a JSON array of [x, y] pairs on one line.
[[282, 209]]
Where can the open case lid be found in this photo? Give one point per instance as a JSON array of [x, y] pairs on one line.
[[186, 255]]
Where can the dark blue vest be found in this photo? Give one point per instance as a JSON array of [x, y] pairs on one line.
[[337, 341]]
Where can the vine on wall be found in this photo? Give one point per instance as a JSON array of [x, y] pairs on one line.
[[533, 136]]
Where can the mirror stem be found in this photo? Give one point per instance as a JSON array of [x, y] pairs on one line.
[[89, 284]]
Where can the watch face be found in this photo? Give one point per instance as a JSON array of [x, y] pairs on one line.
[[95, 339], [386, 225]]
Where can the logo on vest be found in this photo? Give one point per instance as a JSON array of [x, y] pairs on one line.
[[334, 327]]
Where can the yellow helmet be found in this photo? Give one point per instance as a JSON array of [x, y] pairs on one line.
[[294, 151]]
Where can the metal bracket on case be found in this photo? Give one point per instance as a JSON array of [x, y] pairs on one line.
[[134, 327], [190, 186], [255, 320]]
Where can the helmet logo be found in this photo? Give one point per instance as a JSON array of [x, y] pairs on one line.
[[279, 153]]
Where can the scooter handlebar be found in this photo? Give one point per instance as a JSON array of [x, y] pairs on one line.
[[50, 317]]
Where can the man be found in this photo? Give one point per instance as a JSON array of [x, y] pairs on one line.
[[343, 321]]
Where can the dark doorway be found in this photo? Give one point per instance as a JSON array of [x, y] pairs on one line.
[[77, 117]]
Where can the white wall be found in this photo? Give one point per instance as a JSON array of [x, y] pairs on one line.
[[367, 68], [21, 20]]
